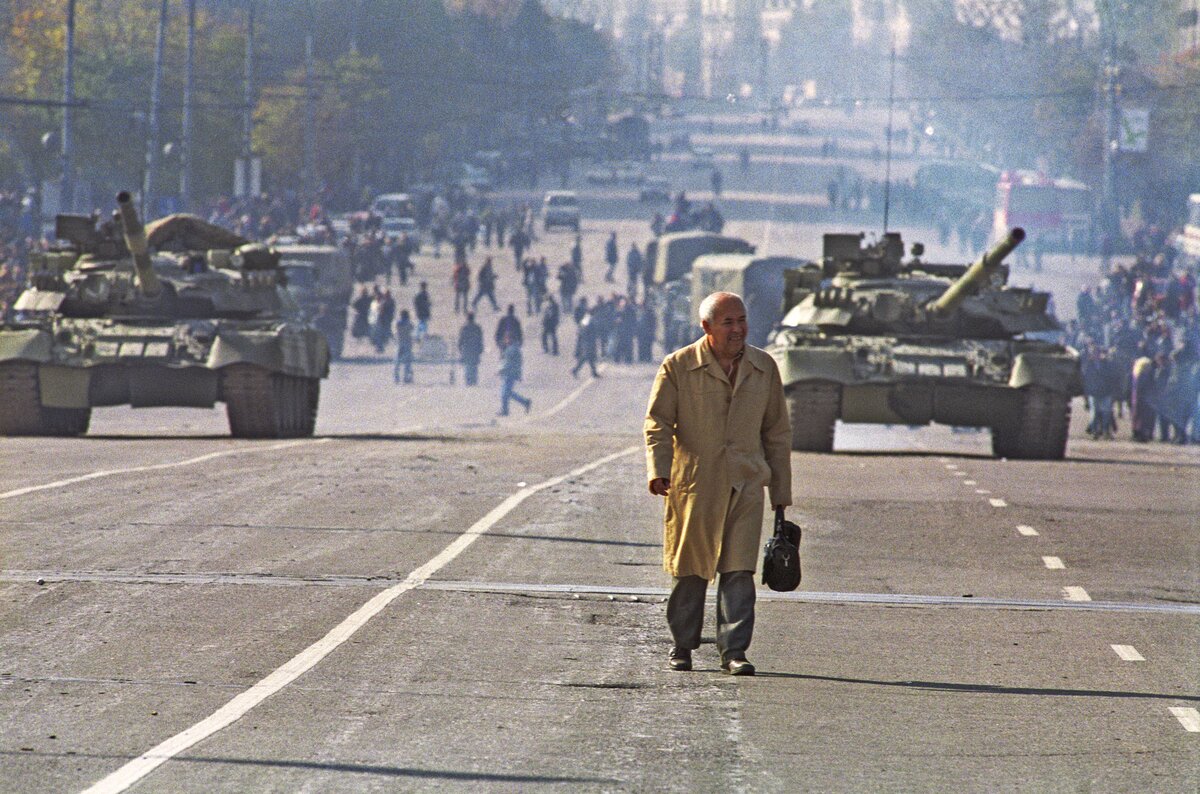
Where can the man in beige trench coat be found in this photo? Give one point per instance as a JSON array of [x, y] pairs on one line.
[[717, 433]]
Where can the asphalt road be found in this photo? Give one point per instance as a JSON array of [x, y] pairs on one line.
[[427, 596]]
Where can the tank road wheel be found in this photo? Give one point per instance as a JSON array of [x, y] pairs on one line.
[[265, 404], [813, 407], [22, 412], [1036, 429]]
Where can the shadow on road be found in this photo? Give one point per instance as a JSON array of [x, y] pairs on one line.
[[986, 689]]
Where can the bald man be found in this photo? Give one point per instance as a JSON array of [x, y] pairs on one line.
[[717, 434]]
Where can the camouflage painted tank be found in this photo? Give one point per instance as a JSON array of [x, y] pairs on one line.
[[203, 319], [870, 338]]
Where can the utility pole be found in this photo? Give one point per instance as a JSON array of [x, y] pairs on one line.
[[247, 158], [189, 88], [309, 169], [150, 185], [67, 189], [1110, 215], [355, 147]]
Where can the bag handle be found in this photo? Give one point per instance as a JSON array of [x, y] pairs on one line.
[[778, 520]]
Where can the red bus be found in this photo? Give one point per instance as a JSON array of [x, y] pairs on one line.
[[1058, 211]]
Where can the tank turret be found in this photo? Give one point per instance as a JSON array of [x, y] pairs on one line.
[[135, 240], [977, 274]]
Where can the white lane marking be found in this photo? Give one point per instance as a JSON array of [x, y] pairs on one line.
[[998, 503], [304, 661], [1128, 653], [1189, 718], [982, 491], [1076, 594], [961, 474], [1027, 530], [944, 460], [1053, 563], [570, 398], [970, 482], [95, 475], [951, 466]]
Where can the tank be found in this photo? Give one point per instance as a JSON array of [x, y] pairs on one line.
[[180, 313], [871, 338]]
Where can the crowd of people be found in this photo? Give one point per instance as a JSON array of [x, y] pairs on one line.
[[1139, 336]]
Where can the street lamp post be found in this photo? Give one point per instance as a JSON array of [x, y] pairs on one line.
[[67, 189], [150, 186]]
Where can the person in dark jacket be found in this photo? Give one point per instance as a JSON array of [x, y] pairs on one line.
[[509, 327], [470, 349], [404, 349]]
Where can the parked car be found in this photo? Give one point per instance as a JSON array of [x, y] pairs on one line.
[[560, 208]]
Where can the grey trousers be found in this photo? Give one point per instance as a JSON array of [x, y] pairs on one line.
[[735, 612]]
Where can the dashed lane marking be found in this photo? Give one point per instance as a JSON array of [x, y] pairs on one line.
[[1053, 563], [1128, 653], [1027, 530], [304, 661], [970, 482], [1189, 718], [997, 503], [951, 466], [95, 475], [1072, 593], [961, 474], [982, 491]]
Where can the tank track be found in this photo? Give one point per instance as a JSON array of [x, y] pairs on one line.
[[1036, 429], [265, 404], [21, 410], [813, 407]]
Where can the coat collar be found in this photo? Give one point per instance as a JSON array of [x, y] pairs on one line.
[[699, 355]]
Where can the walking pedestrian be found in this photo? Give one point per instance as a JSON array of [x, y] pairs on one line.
[[423, 308], [486, 288], [404, 349], [611, 256], [710, 451], [470, 349], [550, 319], [585, 344], [461, 280], [634, 262], [568, 282], [518, 241], [509, 327], [510, 373]]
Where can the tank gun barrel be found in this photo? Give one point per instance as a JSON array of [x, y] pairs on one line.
[[984, 267], [135, 239]]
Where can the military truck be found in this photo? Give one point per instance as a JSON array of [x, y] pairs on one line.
[[758, 279], [320, 278], [204, 318], [870, 338], [668, 278]]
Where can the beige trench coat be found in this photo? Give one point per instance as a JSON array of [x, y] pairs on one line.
[[718, 444]]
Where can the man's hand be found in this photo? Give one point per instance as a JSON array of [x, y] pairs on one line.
[[660, 486]]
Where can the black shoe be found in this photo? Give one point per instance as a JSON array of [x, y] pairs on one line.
[[737, 666], [681, 660]]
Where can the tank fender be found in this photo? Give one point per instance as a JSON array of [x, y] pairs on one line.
[[809, 364], [1057, 372], [303, 352], [29, 344]]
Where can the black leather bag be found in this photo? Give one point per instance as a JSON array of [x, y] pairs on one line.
[[781, 556]]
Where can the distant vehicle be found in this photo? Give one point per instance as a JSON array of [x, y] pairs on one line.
[[627, 136], [1187, 243], [394, 205], [703, 157], [1056, 212], [680, 142], [560, 208], [654, 189], [320, 279], [394, 227], [618, 173], [959, 186], [477, 178]]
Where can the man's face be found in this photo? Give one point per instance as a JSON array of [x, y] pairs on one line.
[[727, 330]]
